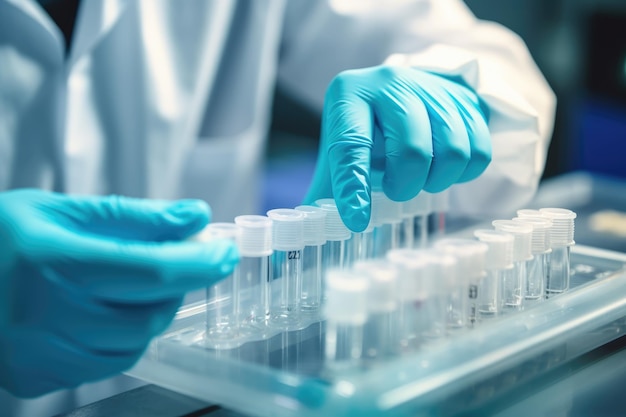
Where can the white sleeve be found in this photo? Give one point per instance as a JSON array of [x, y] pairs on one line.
[[323, 38]]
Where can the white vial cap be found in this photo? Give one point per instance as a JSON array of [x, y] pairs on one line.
[[522, 234], [541, 233], [217, 231], [335, 228], [346, 297], [382, 278], [470, 255], [500, 252], [562, 232], [314, 225], [529, 213], [387, 210], [444, 270], [440, 202], [256, 235], [287, 229], [418, 205], [414, 270]]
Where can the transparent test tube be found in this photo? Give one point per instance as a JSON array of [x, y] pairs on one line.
[[414, 271], [346, 313], [314, 239], [446, 306], [380, 332], [415, 221], [389, 224], [335, 252], [561, 240], [286, 283], [253, 275], [497, 262], [515, 281], [537, 267], [440, 204], [222, 330], [470, 256]]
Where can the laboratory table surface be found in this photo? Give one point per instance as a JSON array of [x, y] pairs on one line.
[[593, 385]]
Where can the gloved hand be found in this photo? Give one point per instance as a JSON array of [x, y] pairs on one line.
[[86, 282], [423, 131]]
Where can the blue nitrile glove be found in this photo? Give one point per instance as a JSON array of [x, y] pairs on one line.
[[86, 282], [422, 130]]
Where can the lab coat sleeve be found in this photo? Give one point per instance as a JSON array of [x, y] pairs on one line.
[[442, 36]]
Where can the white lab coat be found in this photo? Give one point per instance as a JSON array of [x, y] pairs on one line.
[[168, 99]]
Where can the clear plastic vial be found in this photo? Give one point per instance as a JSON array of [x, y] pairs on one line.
[[515, 282], [414, 276], [537, 267], [286, 284], [440, 205], [380, 332], [388, 231], [314, 240], [497, 263], [253, 275], [446, 305], [335, 252], [222, 328], [415, 221], [561, 240], [470, 256], [346, 313]]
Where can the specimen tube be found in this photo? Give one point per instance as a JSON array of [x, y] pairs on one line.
[[388, 231], [346, 313], [515, 282], [415, 221], [314, 240], [537, 267], [335, 253], [286, 283], [497, 263], [561, 239], [253, 275], [380, 333], [470, 256], [414, 273]]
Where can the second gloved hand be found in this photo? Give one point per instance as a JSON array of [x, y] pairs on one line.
[[423, 131], [86, 282]]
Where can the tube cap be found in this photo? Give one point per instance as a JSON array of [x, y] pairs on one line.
[[217, 231], [444, 270], [500, 252], [522, 234], [314, 225], [470, 255], [386, 210], [335, 228], [382, 278], [346, 297], [256, 235], [414, 272], [540, 240], [418, 205], [562, 232], [287, 229]]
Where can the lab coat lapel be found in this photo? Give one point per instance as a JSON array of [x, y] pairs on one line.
[[95, 18]]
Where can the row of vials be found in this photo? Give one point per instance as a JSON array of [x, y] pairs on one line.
[[279, 283], [413, 297]]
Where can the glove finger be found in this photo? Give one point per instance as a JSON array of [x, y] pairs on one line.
[[451, 148], [408, 143], [479, 138], [139, 271], [346, 150], [137, 219]]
